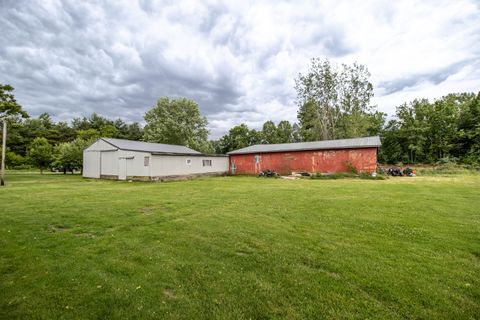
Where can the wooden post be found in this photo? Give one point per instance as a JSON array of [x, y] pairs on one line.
[[4, 146]]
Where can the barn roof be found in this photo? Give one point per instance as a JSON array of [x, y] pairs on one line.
[[132, 145], [365, 142]]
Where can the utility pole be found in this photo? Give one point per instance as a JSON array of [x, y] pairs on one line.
[[4, 146]]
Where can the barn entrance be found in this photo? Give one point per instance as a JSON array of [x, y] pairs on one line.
[[123, 164]]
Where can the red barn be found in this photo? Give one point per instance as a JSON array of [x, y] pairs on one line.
[[318, 156]]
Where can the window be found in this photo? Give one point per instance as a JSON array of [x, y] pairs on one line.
[[146, 161], [207, 163], [189, 162]]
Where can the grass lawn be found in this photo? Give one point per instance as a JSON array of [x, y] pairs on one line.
[[240, 248]]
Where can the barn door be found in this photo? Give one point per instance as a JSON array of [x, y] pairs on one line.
[[122, 169], [258, 168]]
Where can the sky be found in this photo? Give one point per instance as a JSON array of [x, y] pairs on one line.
[[237, 59]]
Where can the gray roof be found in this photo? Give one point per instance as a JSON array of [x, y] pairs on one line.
[[149, 147], [366, 142]]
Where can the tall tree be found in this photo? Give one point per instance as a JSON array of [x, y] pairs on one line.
[[8, 105], [69, 155], [427, 132], [239, 137], [269, 133], [284, 132], [467, 140], [334, 102], [296, 133], [40, 153], [9, 108], [177, 121]]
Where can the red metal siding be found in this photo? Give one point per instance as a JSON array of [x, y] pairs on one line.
[[365, 160]]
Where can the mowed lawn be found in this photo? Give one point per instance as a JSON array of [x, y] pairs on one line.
[[240, 248]]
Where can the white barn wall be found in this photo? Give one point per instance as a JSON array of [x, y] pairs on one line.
[[103, 160], [135, 166], [166, 165], [109, 163], [100, 145], [91, 164]]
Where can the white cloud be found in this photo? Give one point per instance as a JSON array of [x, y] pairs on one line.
[[238, 59]]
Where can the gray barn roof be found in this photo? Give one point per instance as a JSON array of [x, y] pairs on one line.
[[366, 142], [150, 147]]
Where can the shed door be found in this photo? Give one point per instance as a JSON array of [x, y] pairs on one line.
[[258, 167], [122, 169], [91, 164]]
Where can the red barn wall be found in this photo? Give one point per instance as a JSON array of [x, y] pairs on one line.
[[364, 159]]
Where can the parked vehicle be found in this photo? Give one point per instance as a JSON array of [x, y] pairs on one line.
[[268, 174]]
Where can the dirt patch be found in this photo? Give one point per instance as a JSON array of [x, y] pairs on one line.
[[59, 228], [85, 235], [169, 293], [152, 209]]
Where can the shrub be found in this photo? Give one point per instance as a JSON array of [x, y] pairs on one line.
[[367, 176], [350, 167]]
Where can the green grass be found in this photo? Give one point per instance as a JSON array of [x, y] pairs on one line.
[[240, 248]]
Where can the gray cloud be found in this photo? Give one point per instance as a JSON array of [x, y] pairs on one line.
[[237, 60], [436, 77]]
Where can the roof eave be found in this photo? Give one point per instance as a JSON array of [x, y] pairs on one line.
[[188, 154], [303, 149]]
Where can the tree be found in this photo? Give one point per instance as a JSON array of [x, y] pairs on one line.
[[269, 133], [427, 132], [40, 153], [285, 132], [333, 102], [467, 141], [296, 133], [131, 131], [9, 108], [108, 128], [69, 155], [311, 127], [108, 131], [176, 121], [281, 133], [239, 137], [13, 160], [88, 134], [8, 105]]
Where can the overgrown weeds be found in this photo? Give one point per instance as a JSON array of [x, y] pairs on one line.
[[346, 175]]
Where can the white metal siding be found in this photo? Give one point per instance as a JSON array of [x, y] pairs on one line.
[[109, 163], [177, 165], [136, 166], [91, 164], [102, 159], [100, 145]]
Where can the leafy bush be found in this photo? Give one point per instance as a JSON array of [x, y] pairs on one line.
[[447, 160], [333, 176], [22, 167], [367, 176], [351, 168]]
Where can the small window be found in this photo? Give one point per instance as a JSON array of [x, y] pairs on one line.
[[189, 162], [207, 163], [146, 161]]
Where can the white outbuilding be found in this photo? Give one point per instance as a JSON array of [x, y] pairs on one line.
[[120, 159]]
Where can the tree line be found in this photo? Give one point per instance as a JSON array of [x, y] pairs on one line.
[[333, 101]]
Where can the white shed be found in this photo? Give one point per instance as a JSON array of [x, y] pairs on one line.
[[120, 159]]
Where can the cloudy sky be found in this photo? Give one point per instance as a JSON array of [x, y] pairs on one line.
[[237, 59]]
